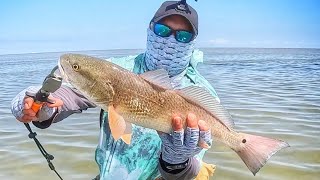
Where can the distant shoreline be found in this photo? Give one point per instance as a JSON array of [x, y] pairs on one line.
[[140, 49]]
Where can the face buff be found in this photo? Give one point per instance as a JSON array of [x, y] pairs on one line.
[[167, 53]]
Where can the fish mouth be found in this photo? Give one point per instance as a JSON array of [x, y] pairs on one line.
[[62, 71]]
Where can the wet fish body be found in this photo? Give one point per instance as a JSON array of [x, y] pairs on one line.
[[149, 100]]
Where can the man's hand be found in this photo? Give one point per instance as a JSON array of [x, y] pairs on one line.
[[29, 115], [184, 144]]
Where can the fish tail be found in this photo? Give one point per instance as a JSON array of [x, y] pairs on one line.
[[256, 150]]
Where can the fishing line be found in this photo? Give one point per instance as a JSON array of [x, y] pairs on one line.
[[45, 154]]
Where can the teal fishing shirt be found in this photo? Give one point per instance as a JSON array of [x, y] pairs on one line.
[[139, 160]]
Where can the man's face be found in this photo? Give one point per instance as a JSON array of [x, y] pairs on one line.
[[165, 53], [177, 22]]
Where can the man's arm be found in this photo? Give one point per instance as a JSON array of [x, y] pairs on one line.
[[73, 102]]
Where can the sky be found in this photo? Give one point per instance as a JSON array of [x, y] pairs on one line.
[[51, 26]]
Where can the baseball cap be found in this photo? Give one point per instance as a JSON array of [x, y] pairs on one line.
[[177, 8]]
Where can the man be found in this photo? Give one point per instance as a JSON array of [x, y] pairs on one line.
[[151, 154]]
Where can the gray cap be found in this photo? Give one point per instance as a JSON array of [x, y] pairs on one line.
[[176, 7]]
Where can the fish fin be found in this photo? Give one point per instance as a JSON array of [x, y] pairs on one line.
[[116, 123], [126, 137], [203, 97], [159, 77], [256, 150]]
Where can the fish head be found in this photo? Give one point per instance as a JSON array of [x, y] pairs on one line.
[[90, 75]]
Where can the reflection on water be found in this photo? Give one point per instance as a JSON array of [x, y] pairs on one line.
[[270, 92]]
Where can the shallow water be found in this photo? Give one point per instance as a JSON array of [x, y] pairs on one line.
[[270, 92]]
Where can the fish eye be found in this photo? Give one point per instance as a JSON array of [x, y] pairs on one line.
[[75, 67]]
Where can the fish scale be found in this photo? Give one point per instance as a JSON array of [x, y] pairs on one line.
[[148, 98]]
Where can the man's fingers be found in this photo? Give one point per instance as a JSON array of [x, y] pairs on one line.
[[27, 119], [57, 102], [197, 133], [205, 140], [192, 134], [191, 138], [177, 123], [177, 134], [28, 101], [192, 121], [203, 126], [29, 112]]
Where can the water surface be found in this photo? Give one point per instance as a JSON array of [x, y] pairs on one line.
[[270, 92]]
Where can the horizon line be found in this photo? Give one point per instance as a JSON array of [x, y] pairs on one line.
[[113, 49]]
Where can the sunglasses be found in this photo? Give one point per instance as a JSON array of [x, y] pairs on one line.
[[165, 31]]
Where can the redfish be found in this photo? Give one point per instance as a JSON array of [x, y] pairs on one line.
[[149, 100]]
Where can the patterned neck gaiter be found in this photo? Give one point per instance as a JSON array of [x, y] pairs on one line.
[[167, 53]]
